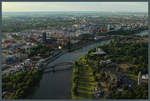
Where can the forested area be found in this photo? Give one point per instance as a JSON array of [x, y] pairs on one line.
[[134, 53], [89, 73], [20, 84]]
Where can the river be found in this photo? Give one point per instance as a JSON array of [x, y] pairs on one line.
[[57, 85]]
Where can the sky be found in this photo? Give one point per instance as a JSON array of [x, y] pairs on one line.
[[75, 6]]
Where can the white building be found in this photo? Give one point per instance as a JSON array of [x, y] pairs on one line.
[[108, 27], [145, 77]]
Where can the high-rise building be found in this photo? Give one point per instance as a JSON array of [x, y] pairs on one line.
[[44, 37], [108, 27]]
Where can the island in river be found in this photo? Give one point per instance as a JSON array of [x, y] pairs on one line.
[[114, 71]]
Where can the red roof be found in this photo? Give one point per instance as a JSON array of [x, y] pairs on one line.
[[53, 45], [95, 30], [104, 30], [9, 41], [35, 37]]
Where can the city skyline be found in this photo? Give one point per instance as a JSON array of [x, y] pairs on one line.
[[75, 6]]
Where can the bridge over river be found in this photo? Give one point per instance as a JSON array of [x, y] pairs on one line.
[[57, 85], [59, 67]]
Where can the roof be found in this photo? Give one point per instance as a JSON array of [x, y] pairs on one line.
[[145, 76], [99, 52]]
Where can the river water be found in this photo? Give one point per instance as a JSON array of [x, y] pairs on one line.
[[57, 85]]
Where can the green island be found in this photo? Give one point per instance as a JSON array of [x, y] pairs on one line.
[[112, 71]]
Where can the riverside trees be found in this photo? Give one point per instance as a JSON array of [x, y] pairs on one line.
[[18, 85]]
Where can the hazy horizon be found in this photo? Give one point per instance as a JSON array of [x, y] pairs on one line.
[[80, 11], [68, 12], [74, 6]]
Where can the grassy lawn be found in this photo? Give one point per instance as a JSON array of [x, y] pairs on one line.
[[86, 83]]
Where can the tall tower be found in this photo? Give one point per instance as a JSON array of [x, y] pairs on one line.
[[108, 27], [44, 37], [139, 78]]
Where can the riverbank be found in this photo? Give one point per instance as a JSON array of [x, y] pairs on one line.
[[86, 43], [115, 72], [83, 81], [20, 84], [60, 83]]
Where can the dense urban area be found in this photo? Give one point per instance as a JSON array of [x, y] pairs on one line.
[[116, 69]]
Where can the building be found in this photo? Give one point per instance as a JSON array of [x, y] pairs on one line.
[[39, 64], [108, 61], [119, 80], [10, 59], [44, 37], [145, 77], [108, 27], [99, 52]]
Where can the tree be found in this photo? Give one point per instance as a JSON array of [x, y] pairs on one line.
[[117, 69], [125, 87]]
